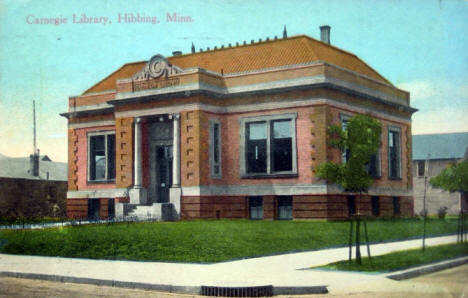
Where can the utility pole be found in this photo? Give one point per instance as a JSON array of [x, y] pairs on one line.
[[426, 173], [34, 127]]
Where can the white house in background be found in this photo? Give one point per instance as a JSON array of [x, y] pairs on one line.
[[438, 151]]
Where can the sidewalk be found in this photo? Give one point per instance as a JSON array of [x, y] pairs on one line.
[[279, 271]]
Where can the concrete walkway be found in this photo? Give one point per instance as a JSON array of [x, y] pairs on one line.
[[279, 271]]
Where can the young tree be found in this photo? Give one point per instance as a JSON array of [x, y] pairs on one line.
[[360, 140], [455, 178]]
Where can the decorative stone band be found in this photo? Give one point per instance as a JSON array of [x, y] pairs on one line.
[[91, 124], [284, 190], [97, 193], [261, 106], [280, 85], [246, 190]]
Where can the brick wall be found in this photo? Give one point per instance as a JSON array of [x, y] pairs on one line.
[[32, 198], [214, 207], [72, 160], [77, 208], [124, 152], [190, 144], [304, 207]]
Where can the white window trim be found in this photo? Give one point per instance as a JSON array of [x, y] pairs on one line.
[[242, 144], [213, 164], [92, 134], [398, 130]]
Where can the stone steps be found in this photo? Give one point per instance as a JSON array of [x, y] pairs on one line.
[[156, 211]]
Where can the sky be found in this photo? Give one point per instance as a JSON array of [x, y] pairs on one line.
[[420, 46]]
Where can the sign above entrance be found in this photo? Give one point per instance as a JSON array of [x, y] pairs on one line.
[[158, 66], [154, 84]]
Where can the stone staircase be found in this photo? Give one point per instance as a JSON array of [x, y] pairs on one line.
[[153, 212]]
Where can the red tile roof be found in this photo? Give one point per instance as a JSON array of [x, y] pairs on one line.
[[273, 53]]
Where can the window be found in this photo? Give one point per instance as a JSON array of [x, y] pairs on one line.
[[421, 168], [101, 157], [394, 153], [284, 210], [375, 206], [351, 205], [94, 208], [111, 209], [268, 145], [215, 148], [396, 205], [256, 207], [373, 166], [345, 154]]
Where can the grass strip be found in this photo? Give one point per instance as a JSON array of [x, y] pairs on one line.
[[204, 240], [402, 259]]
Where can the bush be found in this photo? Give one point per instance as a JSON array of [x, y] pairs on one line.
[[442, 212], [423, 213]]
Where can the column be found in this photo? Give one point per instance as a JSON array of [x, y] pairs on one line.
[[176, 151], [175, 193], [137, 154], [138, 194]]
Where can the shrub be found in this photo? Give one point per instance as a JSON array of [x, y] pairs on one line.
[[442, 212], [423, 213]]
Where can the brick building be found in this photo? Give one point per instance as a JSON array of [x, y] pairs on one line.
[[32, 186], [234, 132]]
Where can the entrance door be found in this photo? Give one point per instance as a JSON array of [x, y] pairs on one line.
[[164, 168]]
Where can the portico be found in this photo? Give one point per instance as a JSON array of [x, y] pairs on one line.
[[157, 156]]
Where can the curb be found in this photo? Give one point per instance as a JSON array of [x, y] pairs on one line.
[[421, 270], [196, 290]]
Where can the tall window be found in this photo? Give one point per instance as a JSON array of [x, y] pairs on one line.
[[394, 153], [373, 166], [101, 157], [215, 148], [345, 154], [256, 147], [268, 145]]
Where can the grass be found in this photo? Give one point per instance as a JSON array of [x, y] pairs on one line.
[[203, 240], [402, 259], [6, 220]]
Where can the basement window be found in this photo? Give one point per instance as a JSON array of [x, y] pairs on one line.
[[256, 207], [284, 204]]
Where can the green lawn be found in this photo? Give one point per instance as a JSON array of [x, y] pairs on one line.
[[403, 259], [4, 220], [203, 240]]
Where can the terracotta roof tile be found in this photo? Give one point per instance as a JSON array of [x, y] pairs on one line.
[[293, 50]]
